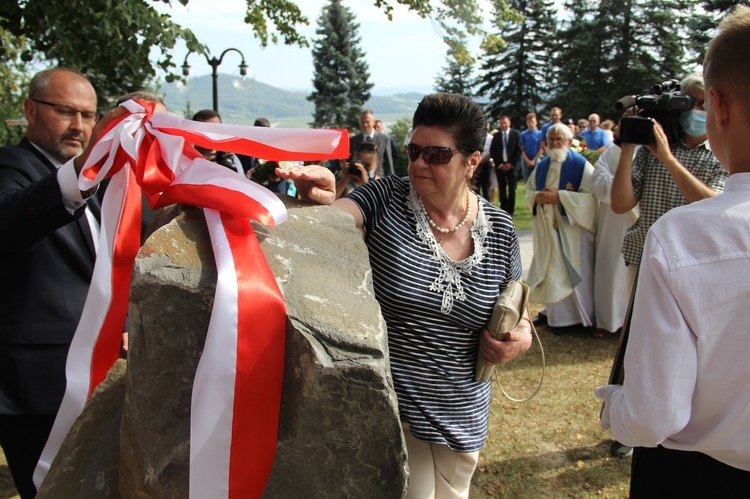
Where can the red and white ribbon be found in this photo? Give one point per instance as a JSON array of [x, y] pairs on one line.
[[237, 388]]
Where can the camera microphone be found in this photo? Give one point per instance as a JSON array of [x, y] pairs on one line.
[[625, 103]]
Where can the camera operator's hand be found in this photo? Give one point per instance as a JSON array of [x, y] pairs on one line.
[[362, 178], [628, 148], [660, 148]]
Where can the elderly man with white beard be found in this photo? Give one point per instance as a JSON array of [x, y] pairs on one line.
[[563, 223]]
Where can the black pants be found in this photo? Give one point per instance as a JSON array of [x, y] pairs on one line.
[[658, 472], [22, 439], [507, 183], [484, 170]]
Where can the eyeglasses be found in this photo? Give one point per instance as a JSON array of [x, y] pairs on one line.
[[434, 155], [70, 113]]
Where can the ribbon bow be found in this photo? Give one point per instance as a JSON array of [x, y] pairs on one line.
[[233, 424]]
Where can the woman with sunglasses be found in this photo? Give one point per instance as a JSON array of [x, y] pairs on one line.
[[440, 256]]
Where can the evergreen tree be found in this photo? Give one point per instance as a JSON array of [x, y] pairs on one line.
[[582, 62], [663, 31], [457, 75], [619, 47], [13, 84], [702, 25], [398, 130], [341, 75], [516, 77]]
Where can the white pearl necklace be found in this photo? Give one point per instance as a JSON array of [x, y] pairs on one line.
[[454, 229]]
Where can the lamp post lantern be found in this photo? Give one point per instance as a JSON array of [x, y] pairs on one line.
[[215, 63]]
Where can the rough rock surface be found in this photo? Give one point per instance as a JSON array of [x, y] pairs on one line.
[[339, 434], [86, 465]]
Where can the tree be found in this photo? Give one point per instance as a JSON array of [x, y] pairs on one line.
[[617, 48], [702, 25], [341, 75], [13, 82], [111, 41], [398, 131], [581, 63], [108, 41], [516, 77], [457, 75], [455, 18]]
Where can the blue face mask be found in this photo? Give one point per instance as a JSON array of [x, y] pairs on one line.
[[693, 122]]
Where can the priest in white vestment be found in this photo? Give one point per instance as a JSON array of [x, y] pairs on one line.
[[563, 209], [611, 284]]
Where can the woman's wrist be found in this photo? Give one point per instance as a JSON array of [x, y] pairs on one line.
[[523, 328]]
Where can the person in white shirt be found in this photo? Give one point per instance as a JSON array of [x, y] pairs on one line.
[[685, 401], [611, 284]]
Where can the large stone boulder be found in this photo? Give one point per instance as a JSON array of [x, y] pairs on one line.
[[339, 433], [86, 464]]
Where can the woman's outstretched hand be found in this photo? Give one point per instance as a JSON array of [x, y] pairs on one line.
[[314, 183]]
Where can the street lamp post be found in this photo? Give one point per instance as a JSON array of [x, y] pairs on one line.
[[214, 63]]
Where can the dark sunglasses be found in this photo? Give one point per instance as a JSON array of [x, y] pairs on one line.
[[434, 155], [365, 147]]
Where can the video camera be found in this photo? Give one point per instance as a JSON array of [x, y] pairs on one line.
[[354, 169], [224, 159], [664, 104]]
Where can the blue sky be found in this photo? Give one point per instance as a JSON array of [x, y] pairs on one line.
[[407, 53]]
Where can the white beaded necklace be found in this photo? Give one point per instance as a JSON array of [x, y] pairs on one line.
[[460, 224], [448, 281]]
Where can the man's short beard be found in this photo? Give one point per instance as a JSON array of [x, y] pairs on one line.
[[63, 153], [558, 153]]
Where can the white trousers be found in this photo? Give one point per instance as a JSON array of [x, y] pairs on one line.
[[436, 471]]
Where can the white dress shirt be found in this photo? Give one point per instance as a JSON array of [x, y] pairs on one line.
[[687, 363]]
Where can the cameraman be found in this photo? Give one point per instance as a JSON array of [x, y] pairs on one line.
[[662, 177], [226, 159], [360, 170]]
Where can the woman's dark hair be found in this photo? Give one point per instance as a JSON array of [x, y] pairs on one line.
[[458, 115]]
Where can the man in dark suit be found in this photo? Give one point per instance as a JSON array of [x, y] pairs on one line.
[[505, 151], [48, 230], [381, 140]]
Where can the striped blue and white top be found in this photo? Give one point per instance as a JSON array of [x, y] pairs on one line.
[[433, 346]]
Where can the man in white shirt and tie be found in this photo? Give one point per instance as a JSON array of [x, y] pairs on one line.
[[505, 151], [381, 140]]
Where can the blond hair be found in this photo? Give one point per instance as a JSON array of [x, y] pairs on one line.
[[723, 67]]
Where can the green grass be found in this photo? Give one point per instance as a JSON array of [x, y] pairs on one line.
[[521, 214], [552, 446]]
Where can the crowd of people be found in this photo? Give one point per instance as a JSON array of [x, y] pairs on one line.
[[644, 224]]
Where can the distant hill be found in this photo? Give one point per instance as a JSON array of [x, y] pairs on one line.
[[241, 101]]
